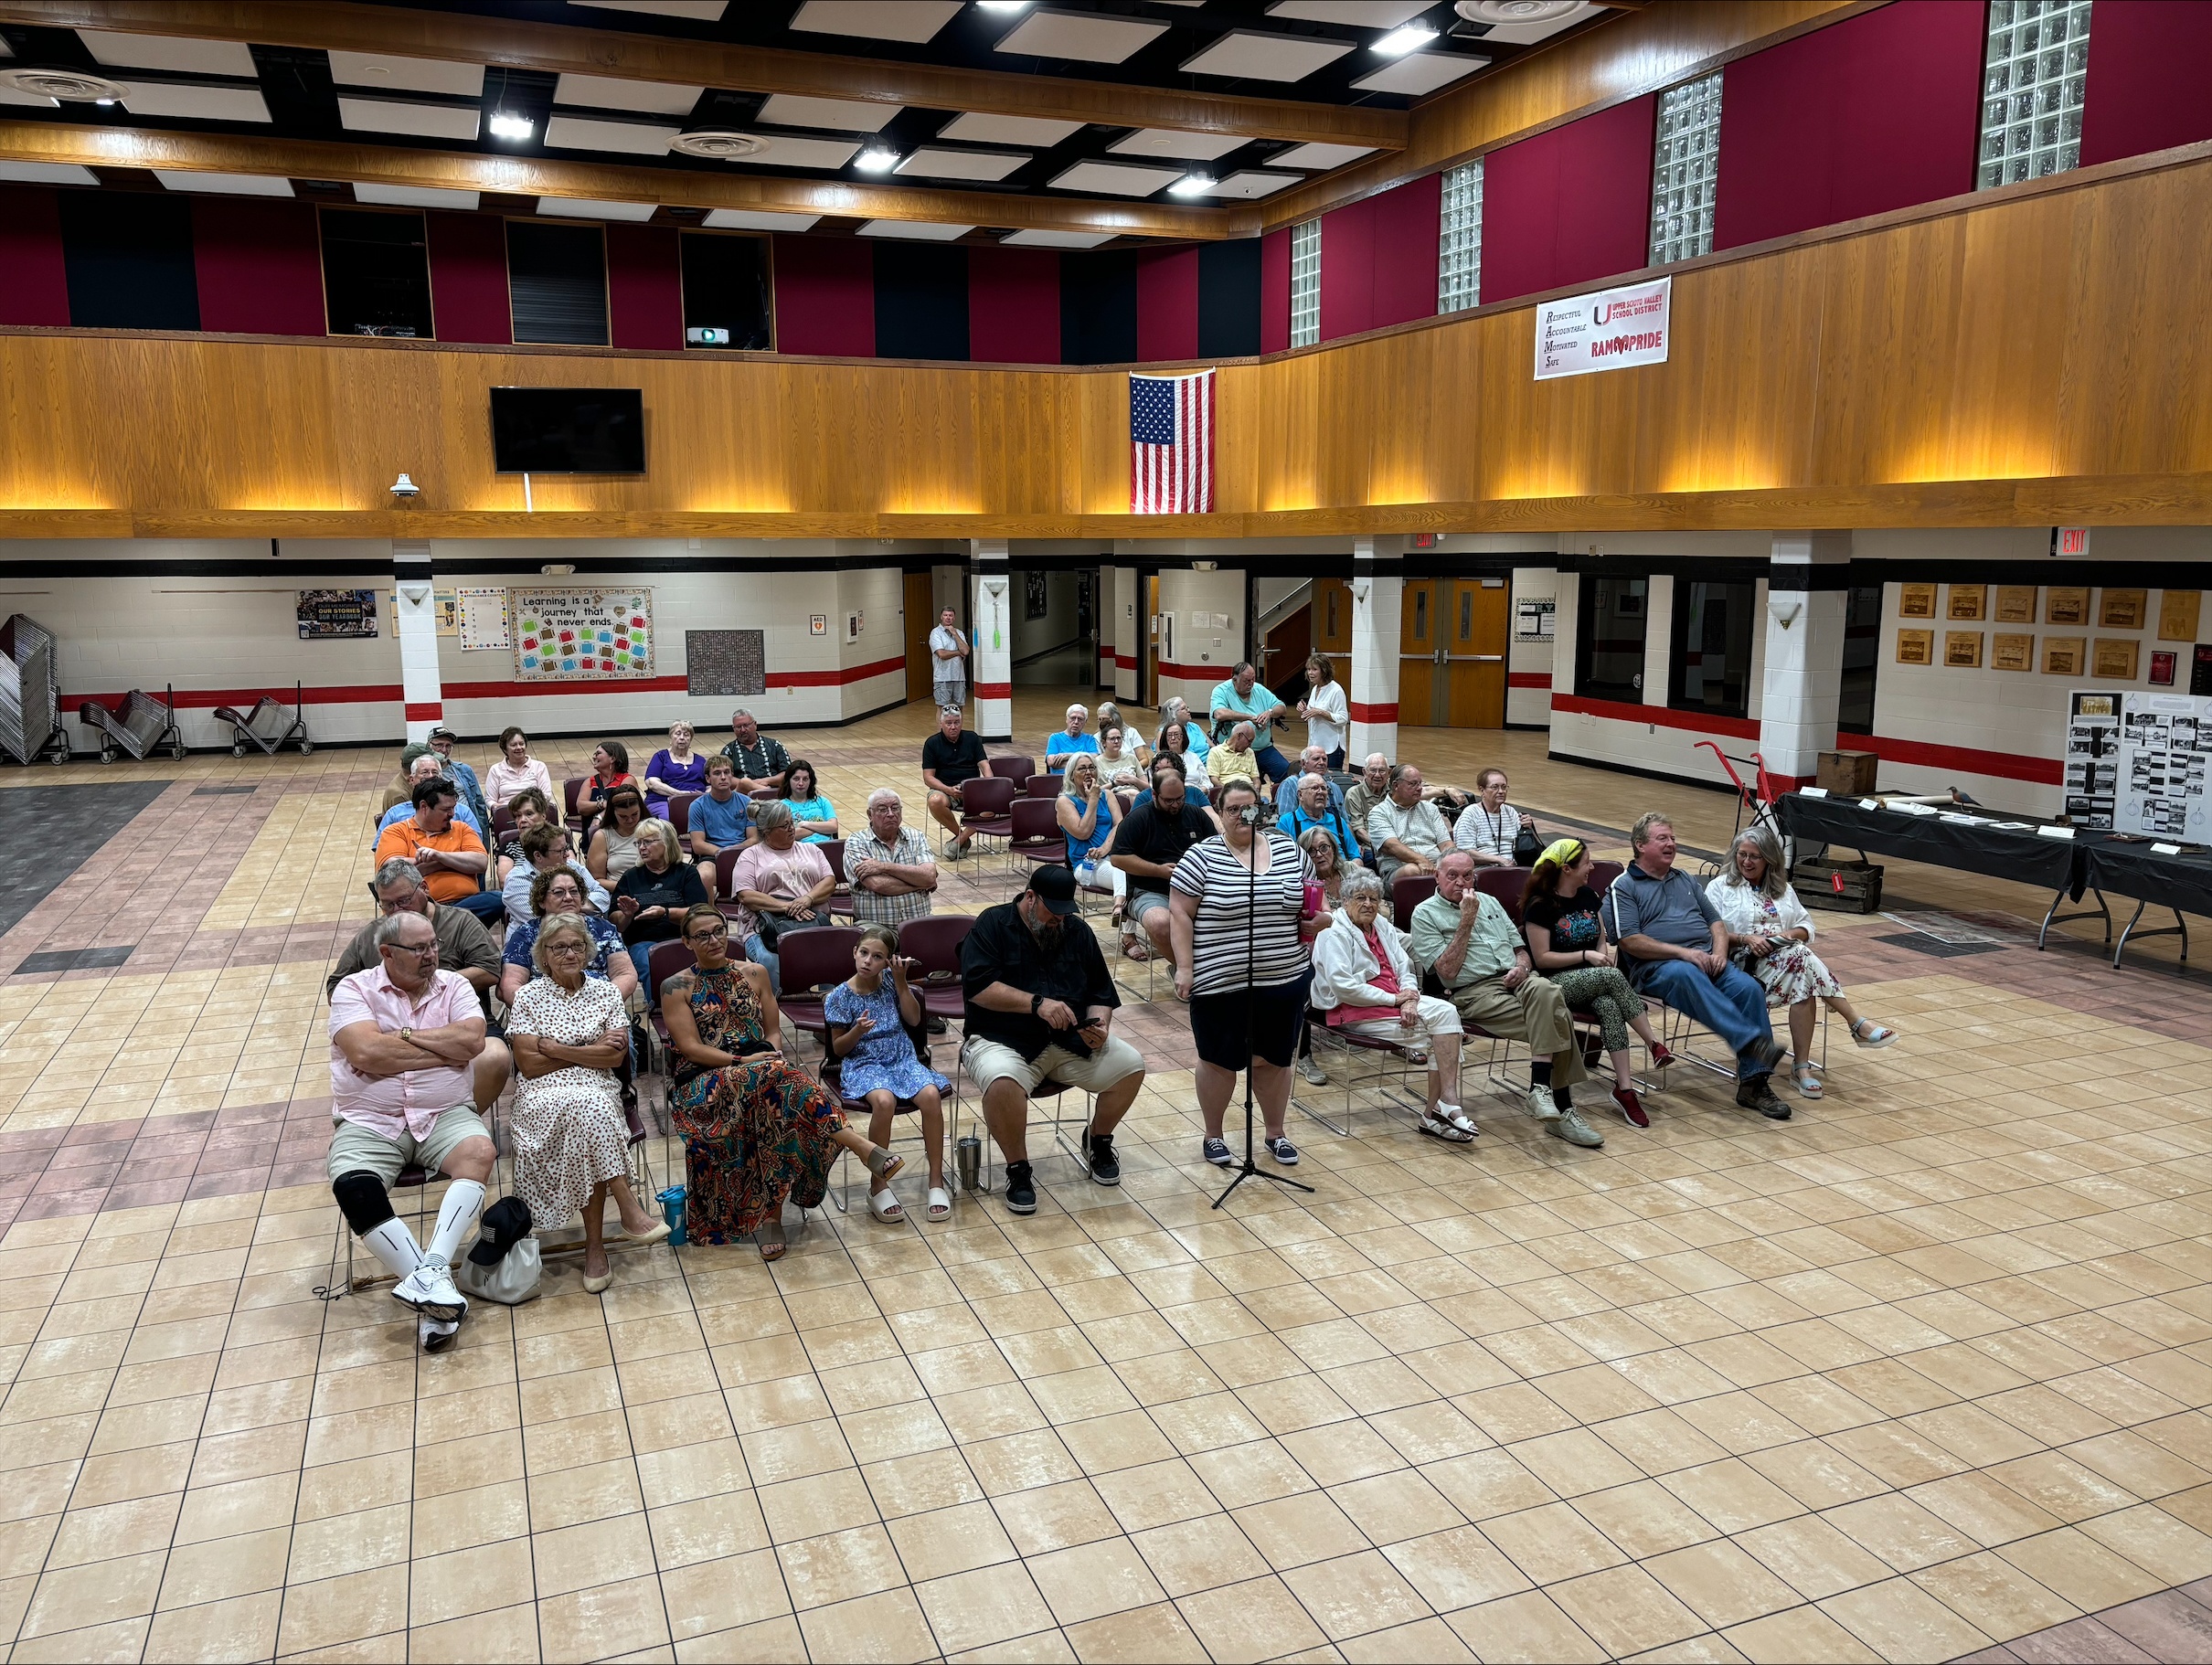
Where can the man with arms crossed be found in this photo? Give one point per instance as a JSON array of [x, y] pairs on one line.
[[948, 660]]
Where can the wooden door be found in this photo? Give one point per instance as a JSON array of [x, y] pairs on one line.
[[1151, 641], [921, 620], [1333, 623], [1417, 645], [1474, 628]]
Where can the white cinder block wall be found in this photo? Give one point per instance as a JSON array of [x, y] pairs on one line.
[[1528, 698], [1199, 655]]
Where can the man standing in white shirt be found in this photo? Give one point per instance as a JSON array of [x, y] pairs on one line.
[[1324, 710], [949, 661]]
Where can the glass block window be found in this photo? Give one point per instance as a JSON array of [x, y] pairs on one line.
[[1459, 268], [1685, 170], [1305, 283], [2033, 81]]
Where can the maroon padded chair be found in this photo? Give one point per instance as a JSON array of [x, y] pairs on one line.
[[933, 942], [1043, 785], [679, 817], [1602, 874], [576, 818], [987, 806], [808, 962], [1408, 892], [665, 960], [1036, 835], [840, 900], [724, 864], [1505, 885], [1010, 769]]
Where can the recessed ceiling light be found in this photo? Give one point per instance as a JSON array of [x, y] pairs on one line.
[[876, 160], [1192, 185], [1004, 6], [1399, 42], [505, 124]]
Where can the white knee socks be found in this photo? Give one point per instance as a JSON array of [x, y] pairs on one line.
[[464, 1201], [394, 1246]]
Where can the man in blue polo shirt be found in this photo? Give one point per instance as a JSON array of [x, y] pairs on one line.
[[720, 818], [1241, 699], [1675, 945]]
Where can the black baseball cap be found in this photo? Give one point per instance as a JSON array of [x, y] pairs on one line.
[[1054, 888], [442, 733], [504, 1224]]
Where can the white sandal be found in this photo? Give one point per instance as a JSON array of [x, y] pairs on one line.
[[883, 1205], [1806, 1081], [1870, 1035], [941, 1204]]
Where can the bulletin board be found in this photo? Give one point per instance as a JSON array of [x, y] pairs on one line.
[[582, 635], [484, 619], [2165, 750]]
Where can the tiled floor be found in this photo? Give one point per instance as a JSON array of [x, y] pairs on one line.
[[1922, 1373]]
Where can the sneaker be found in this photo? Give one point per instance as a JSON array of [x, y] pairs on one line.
[[434, 1335], [1216, 1151], [1757, 1094], [1283, 1151], [1021, 1190], [1570, 1127], [1541, 1102], [1451, 1132], [1661, 1058], [1105, 1166], [1632, 1106], [429, 1289], [1312, 1071]]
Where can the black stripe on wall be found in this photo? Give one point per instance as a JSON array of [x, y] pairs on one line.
[[1099, 308], [1228, 299], [921, 300], [128, 257]]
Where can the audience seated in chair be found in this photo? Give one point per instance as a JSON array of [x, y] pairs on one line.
[[779, 884], [889, 865], [517, 770], [1153, 837], [654, 896], [1070, 739], [1312, 762], [1559, 920], [1311, 810], [1240, 697], [1406, 831], [810, 805], [428, 765], [870, 1017], [463, 776], [613, 850], [1487, 827], [1361, 796], [528, 808], [561, 891], [761, 761], [1364, 982], [949, 759], [1176, 742], [610, 769], [674, 768], [1235, 759], [722, 820], [452, 856], [545, 849]]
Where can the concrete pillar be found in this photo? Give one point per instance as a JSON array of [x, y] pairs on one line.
[[420, 688], [991, 637], [1378, 593], [1803, 682]]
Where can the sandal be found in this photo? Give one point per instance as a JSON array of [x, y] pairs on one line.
[[1136, 947], [883, 1205], [883, 1164], [941, 1204], [770, 1237], [1807, 1084], [1870, 1035]]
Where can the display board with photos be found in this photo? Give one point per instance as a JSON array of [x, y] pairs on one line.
[[2093, 759], [2166, 755]]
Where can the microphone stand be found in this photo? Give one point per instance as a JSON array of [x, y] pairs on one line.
[[1248, 1169]]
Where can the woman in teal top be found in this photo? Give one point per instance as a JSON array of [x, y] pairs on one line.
[[1086, 817], [811, 810]]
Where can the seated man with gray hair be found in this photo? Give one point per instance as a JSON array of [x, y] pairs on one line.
[[1070, 738], [889, 866], [1312, 760], [404, 1039]]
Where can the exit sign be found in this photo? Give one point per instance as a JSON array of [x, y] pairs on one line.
[[2069, 540]]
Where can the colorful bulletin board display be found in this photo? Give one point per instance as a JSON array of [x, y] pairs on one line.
[[2165, 749], [582, 635], [331, 615], [483, 621]]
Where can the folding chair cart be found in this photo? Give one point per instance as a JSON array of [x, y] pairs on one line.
[[138, 728], [266, 725]]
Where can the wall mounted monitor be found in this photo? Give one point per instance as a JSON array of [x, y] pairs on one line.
[[569, 431]]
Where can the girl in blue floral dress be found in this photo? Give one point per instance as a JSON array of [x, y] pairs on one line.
[[869, 1016]]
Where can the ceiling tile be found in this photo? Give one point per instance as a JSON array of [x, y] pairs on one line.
[[1244, 55], [587, 207], [691, 11], [413, 196], [935, 163], [224, 184], [838, 115], [980, 128], [1194, 147], [1541, 28], [916, 230], [8, 95], [1058, 240], [168, 52], [417, 121], [754, 219], [1249, 184], [5, 51], [1085, 36], [1352, 14], [1116, 178], [1318, 155], [606, 93], [47, 173], [908, 20], [782, 149], [380, 72], [201, 103], [581, 133], [1419, 72]]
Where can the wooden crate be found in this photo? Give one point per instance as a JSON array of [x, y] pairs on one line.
[[1844, 887]]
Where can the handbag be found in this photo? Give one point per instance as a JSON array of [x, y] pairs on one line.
[[504, 1265], [1526, 846]]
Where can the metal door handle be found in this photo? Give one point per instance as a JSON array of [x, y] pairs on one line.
[[1487, 659]]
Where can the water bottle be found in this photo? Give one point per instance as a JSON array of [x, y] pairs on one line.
[[671, 1210], [968, 1157]]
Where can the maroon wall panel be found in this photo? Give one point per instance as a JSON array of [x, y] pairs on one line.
[[2146, 85], [644, 288], [1275, 290], [1014, 305], [259, 265], [34, 285], [1877, 114], [1570, 204], [825, 296], [1406, 223], [1347, 270], [469, 277], [1167, 305]]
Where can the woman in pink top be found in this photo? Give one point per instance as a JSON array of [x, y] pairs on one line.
[[515, 770]]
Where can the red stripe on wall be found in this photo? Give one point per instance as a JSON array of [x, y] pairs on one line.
[[1275, 290], [1124, 662], [2146, 80], [1167, 305], [1528, 679], [1665, 717], [644, 288], [1361, 712], [1570, 204], [36, 289], [425, 713], [2002, 765], [993, 690], [259, 267], [1877, 114], [825, 296], [207, 699], [469, 277], [1014, 305]]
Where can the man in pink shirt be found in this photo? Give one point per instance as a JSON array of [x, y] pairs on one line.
[[404, 1037]]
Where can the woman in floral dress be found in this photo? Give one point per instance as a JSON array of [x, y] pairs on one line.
[[872, 1017], [755, 1130]]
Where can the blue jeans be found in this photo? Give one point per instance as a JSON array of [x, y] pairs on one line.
[[640, 956], [1336, 759], [487, 906], [1734, 1007], [1272, 764], [761, 955]]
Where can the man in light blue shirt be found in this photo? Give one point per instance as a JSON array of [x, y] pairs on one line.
[[1065, 742], [1241, 699], [1312, 760], [720, 818], [429, 766]]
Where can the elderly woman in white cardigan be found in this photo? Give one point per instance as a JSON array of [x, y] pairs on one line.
[[1770, 936], [1365, 981]]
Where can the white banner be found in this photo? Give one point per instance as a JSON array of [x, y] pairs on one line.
[[1611, 330]]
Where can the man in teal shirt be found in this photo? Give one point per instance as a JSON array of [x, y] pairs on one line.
[[1241, 699]]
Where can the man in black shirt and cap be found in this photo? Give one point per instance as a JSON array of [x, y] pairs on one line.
[[1040, 1003]]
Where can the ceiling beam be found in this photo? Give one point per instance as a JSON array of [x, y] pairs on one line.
[[532, 176], [556, 47]]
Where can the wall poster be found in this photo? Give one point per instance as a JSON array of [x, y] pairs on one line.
[[1968, 601], [1916, 601], [2123, 609], [1916, 647], [2063, 655], [2093, 759], [2177, 614], [729, 664], [2163, 666], [2165, 749], [2067, 604], [2011, 653], [2115, 657], [2015, 604], [445, 609], [575, 635], [483, 621], [330, 615]]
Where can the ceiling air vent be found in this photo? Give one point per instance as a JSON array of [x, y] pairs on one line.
[[1513, 11], [70, 86], [717, 145]]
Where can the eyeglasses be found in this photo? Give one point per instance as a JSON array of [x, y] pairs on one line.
[[387, 906], [566, 946], [708, 931], [419, 950]]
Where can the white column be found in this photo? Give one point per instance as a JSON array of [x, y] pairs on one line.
[[991, 639], [1802, 684], [420, 688], [1378, 591]]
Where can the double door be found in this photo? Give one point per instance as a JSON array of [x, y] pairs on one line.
[[1451, 653]]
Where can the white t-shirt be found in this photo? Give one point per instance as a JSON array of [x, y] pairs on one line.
[[1325, 716], [1478, 829], [946, 670]]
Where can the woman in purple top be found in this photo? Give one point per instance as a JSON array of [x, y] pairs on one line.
[[675, 768]]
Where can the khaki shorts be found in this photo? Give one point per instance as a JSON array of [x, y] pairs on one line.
[[989, 1061], [356, 1149]]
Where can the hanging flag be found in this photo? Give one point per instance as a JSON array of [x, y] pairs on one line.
[[1171, 444]]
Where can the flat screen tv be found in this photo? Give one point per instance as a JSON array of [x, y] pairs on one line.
[[568, 430]]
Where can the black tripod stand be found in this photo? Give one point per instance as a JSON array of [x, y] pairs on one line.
[[1248, 1169]]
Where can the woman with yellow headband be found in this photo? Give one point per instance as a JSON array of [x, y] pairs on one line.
[[1560, 917]]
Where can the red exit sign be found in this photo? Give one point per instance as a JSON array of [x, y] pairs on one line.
[[2069, 540]]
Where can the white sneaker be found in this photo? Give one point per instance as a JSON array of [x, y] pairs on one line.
[[1540, 1104], [1312, 1071], [435, 1334], [429, 1289]]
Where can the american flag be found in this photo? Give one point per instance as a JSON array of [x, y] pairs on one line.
[[1171, 444]]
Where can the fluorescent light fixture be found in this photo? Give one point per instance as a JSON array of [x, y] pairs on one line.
[[876, 160], [1004, 6], [1192, 185], [1401, 41], [505, 124]]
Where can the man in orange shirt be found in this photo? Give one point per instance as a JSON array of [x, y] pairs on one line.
[[451, 858]]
